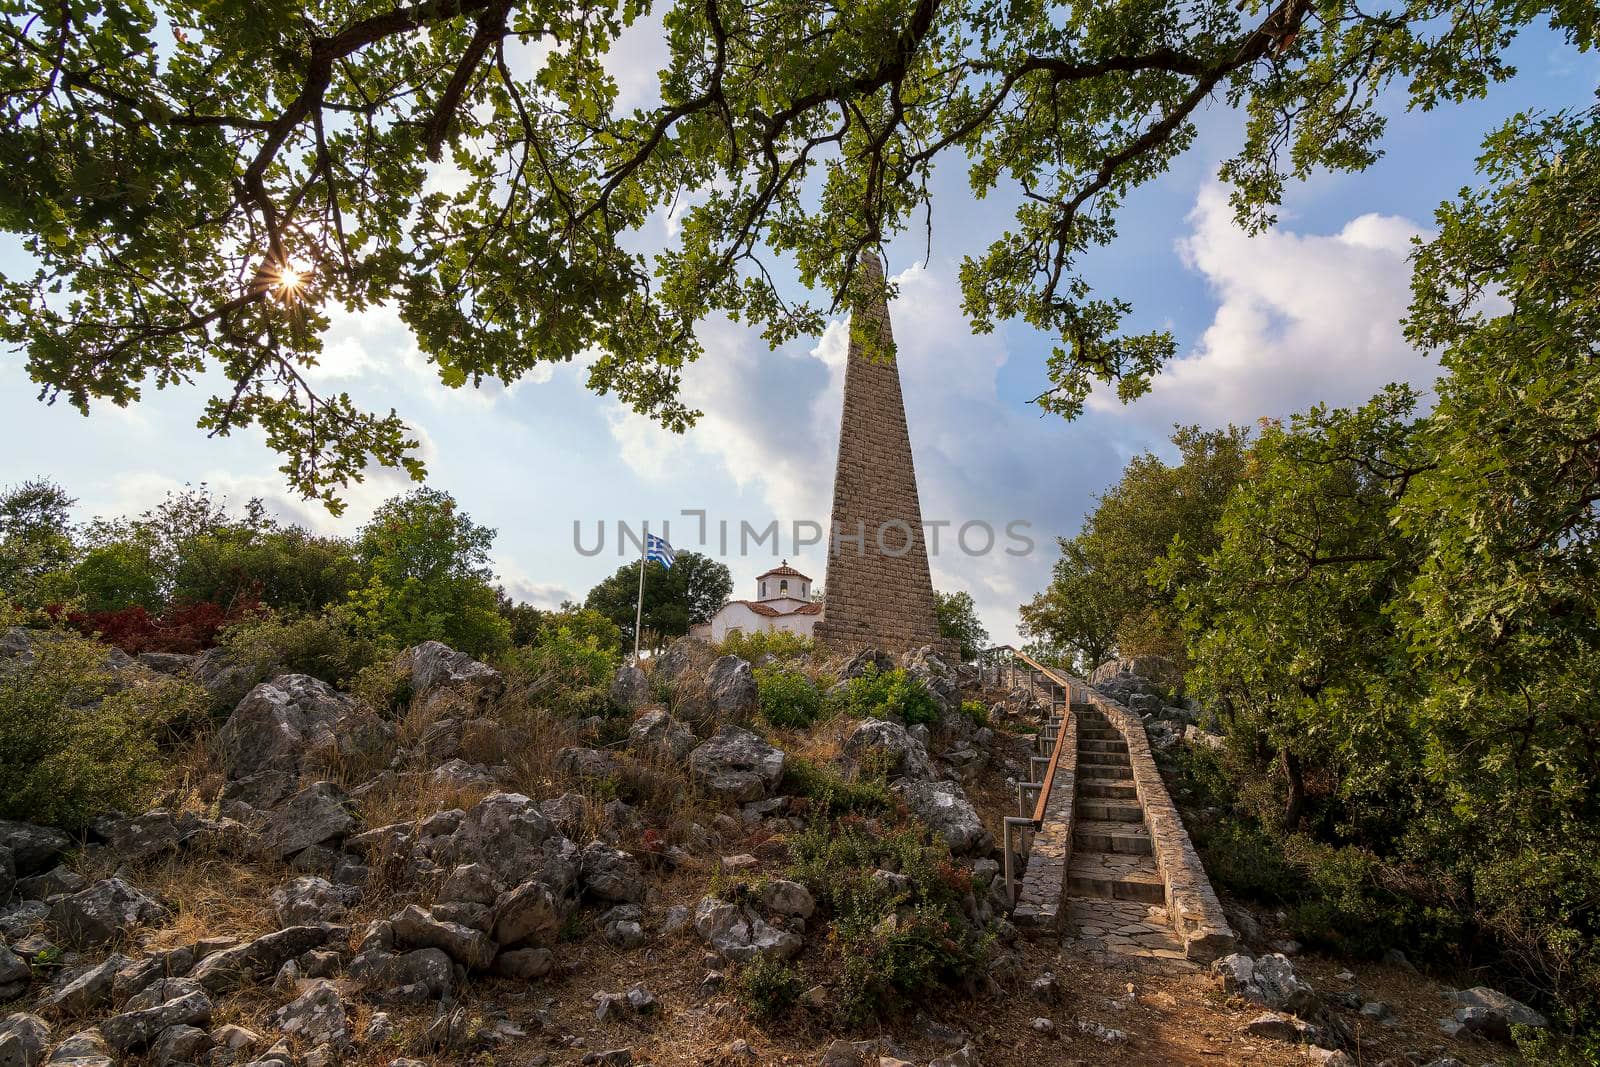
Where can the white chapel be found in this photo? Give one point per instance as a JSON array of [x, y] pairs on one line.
[[783, 602]]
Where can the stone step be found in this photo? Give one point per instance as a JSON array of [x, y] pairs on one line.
[[1107, 789], [1107, 759], [1115, 876], [1123, 773], [1094, 835], [1101, 744], [1108, 810], [1097, 733]]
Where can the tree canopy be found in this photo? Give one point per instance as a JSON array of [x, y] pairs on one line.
[[692, 590], [202, 186], [958, 620]]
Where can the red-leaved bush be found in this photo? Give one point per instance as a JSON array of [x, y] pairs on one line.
[[187, 628]]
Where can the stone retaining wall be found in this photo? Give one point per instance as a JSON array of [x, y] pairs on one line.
[[1191, 902], [1039, 899]]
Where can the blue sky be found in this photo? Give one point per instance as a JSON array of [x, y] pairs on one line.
[[1266, 326]]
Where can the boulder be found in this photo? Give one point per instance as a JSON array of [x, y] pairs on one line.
[[687, 655], [319, 812], [227, 677], [737, 765], [731, 690], [737, 934], [90, 989], [611, 874], [136, 1029], [525, 964], [585, 763], [106, 910], [470, 883], [944, 807], [867, 661], [783, 897], [505, 832], [33, 849], [1157, 670], [8, 873], [15, 974], [316, 1017], [439, 673], [416, 927], [879, 745], [1277, 1026], [422, 974], [307, 900], [630, 689], [86, 1048], [295, 721], [262, 958], [1490, 1013], [22, 1040], [657, 735], [178, 1045], [526, 915]]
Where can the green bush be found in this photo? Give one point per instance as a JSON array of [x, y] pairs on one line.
[[977, 711], [567, 670], [779, 644], [767, 987], [892, 945], [325, 646], [787, 697], [76, 739], [830, 792], [890, 694]]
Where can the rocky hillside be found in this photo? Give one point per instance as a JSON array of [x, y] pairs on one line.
[[446, 873]]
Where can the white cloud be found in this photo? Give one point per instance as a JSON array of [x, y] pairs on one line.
[[1301, 319]]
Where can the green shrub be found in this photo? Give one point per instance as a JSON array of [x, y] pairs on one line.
[[567, 670], [767, 987], [76, 740], [779, 644], [977, 711], [892, 944], [830, 792], [325, 646], [787, 697], [890, 694]]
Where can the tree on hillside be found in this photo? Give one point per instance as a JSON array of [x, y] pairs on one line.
[[692, 590], [1105, 596], [958, 620], [203, 186], [428, 576], [35, 538]]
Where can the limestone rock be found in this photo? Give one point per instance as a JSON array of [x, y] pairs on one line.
[[15, 974], [1495, 1012], [630, 689], [135, 1029], [1277, 1026], [439, 672], [293, 721], [783, 897], [415, 927], [307, 900], [90, 989], [526, 915], [526, 964], [585, 763], [22, 1040], [506, 833], [947, 811], [177, 1045], [611, 874], [319, 812], [104, 911], [656, 734], [316, 1017], [86, 1048], [55, 882], [739, 935], [33, 848], [881, 745], [469, 883], [687, 654], [731, 689], [406, 976], [262, 958], [737, 765], [1269, 981]]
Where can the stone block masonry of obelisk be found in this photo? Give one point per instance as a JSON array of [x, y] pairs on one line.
[[878, 595]]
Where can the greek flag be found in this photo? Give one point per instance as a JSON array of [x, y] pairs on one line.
[[656, 548]]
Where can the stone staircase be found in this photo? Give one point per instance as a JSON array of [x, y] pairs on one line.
[[1115, 896]]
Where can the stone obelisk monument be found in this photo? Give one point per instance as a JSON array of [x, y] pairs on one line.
[[878, 593]]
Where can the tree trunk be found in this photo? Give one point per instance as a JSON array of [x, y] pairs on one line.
[[1297, 788]]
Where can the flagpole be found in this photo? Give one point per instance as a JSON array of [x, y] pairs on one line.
[[638, 613]]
